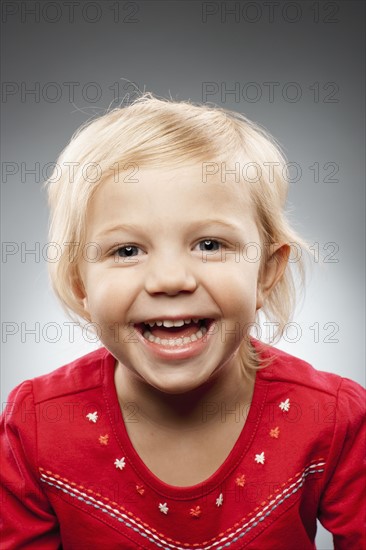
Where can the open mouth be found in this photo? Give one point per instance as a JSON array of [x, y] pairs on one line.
[[174, 332]]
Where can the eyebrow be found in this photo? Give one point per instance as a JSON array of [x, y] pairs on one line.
[[120, 227], [195, 225]]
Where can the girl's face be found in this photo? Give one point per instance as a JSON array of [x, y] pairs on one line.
[[175, 248]]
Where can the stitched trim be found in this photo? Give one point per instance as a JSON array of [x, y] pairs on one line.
[[137, 525]]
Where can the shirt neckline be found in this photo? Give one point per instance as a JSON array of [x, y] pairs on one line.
[[144, 474]]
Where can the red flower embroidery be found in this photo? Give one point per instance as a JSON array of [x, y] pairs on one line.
[[240, 481], [195, 512], [275, 432], [140, 489], [103, 439]]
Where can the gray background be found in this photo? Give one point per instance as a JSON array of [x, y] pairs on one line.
[[311, 52]]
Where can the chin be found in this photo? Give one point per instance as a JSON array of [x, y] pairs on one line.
[[177, 388], [180, 385]]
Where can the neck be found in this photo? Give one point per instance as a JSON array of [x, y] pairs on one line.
[[230, 388]]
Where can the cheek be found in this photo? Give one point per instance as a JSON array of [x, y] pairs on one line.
[[107, 300], [237, 283]]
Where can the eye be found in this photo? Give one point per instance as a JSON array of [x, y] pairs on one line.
[[210, 245], [126, 251]]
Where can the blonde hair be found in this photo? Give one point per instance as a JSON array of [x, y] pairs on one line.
[[160, 133]]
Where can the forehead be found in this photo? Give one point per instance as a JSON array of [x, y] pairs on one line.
[[172, 195]]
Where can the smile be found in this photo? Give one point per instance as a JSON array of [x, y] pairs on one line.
[[175, 337], [174, 341]]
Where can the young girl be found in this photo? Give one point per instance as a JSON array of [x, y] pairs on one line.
[[183, 431]]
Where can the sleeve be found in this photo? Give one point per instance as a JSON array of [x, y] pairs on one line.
[[342, 505], [28, 520]]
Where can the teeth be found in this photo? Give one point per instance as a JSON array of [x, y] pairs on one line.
[[175, 341], [168, 323]]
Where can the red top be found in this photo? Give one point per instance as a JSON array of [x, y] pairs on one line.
[[72, 478]]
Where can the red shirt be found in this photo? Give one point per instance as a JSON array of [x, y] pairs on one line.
[[72, 479]]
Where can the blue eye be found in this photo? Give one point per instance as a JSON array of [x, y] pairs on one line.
[[209, 245], [126, 251]]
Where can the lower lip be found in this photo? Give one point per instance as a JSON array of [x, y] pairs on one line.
[[176, 353]]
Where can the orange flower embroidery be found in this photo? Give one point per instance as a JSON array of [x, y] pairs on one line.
[[140, 489], [195, 512], [275, 432], [240, 481], [103, 439]]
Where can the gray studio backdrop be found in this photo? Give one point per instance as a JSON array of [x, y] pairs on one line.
[[294, 67]]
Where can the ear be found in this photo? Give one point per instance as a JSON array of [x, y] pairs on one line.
[[80, 294], [272, 272]]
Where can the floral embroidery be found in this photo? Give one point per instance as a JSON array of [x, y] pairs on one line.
[[140, 489], [163, 508], [240, 481], [103, 439], [275, 432], [247, 524], [260, 458], [92, 417], [195, 512], [220, 500], [285, 405], [120, 463]]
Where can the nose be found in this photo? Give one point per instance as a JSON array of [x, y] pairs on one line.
[[170, 275]]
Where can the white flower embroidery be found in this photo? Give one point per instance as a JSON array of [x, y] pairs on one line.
[[285, 405], [163, 508], [120, 463], [220, 500], [260, 458], [92, 417]]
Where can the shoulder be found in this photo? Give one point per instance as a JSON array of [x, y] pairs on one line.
[[289, 369], [320, 413], [54, 407], [80, 375]]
